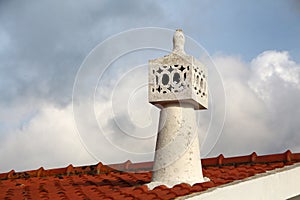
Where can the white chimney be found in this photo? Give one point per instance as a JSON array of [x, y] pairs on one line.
[[177, 85]]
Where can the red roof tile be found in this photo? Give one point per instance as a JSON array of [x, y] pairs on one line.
[[108, 182]]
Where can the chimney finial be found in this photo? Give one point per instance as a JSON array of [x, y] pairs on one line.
[[178, 41]]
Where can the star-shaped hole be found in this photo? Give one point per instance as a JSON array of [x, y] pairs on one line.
[[182, 68], [159, 70], [170, 69]]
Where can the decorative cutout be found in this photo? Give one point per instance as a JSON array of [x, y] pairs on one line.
[[170, 69], [170, 79], [165, 79], [174, 79], [159, 70], [199, 82]]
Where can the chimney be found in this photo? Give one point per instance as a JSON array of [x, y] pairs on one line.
[[177, 85]]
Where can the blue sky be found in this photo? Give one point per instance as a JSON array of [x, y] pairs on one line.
[[255, 46]]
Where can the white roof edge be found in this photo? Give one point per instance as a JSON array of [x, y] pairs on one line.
[[281, 183]]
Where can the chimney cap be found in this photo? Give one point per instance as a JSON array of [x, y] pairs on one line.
[[178, 78]]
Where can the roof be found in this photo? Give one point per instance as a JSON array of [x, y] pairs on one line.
[[127, 180]]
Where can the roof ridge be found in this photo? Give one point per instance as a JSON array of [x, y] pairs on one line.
[[128, 166]]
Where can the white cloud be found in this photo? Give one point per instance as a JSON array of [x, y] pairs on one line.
[[262, 104], [272, 68], [47, 137]]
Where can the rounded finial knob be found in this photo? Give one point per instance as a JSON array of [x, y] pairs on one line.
[[178, 41]]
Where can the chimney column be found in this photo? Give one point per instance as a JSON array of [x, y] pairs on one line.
[[177, 85]]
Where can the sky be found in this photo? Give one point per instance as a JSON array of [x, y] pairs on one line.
[[44, 44]]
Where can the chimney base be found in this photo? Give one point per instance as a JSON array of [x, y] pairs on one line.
[[152, 185]]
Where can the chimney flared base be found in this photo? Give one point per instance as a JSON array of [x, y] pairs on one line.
[[177, 156]]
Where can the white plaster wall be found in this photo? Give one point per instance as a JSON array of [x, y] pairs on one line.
[[277, 184]]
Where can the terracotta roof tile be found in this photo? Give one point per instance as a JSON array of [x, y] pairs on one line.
[[108, 182]]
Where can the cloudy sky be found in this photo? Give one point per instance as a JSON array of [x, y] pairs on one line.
[[255, 47]]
